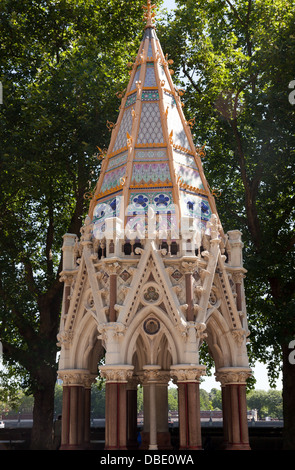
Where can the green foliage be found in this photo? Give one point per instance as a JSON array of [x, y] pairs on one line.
[[172, 399], [267, 404]]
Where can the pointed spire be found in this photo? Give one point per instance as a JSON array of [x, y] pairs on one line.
[[151, 161], [149, 15]]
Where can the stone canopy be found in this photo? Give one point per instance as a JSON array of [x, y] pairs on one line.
[[152, 277]]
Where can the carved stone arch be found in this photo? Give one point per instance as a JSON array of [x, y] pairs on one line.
[[76, 306], [135, 330], [220, 341], [95, 355], [84, 341]]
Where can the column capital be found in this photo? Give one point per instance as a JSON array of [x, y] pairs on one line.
[[233, 375], [151, 372], [187, 372], [116, 373], [76, 377]]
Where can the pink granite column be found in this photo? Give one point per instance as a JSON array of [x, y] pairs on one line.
[[235, 423], [187, 379], [73, 410], [116, 405]]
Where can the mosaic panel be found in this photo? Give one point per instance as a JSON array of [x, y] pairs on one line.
[[197, 207], [108, 208], [160, 201], [150, 172], [152, 155], [126, 125], [130, 99], [189, 176], [150, 50], [116, 161], [150, 95], [150, 79], [150, 130], [162, 76], [177, 275], [112, 178], [136, 78], [184, 159], [125, 275], [175, 123], [136, 223]]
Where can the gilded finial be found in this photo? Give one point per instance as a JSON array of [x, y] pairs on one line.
[[149, 14]]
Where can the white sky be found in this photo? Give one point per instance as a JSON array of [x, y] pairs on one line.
[[259, 372], [169, 4]]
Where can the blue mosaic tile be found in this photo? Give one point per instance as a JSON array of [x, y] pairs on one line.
[[150, 155], [131, 99], [150, 95]]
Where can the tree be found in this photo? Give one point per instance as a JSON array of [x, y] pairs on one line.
[[98, 401], [266, 403], [173, 399], [236, 61], [205, 402], [61, 63], [216, 398]]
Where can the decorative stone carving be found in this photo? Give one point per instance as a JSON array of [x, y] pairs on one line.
[[239, 335], [86, 231], [151, 294], [76, 377], [187, 373], [201, 327], [117, 373], [108, 332], [151, 326], [151, 372], [232, 375], [65, 339]]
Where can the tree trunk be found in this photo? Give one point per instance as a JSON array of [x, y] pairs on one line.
[[43, 412], [288, 400]]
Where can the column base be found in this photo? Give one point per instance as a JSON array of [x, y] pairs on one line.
[[191, 448], [163, 441], [239, 446], [115, 448], [72, 447]]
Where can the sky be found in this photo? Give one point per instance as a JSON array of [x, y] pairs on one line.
[[259, 371], [169, 4]]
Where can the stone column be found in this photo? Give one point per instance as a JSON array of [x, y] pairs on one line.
[[87, 409], [113, 297], [117, 377], [234, 405], [113, 269], [163, 434], [132, 414], [189, 268], [73, 410], [188, 379], [151, 374], [189, 296], [237, 278]]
